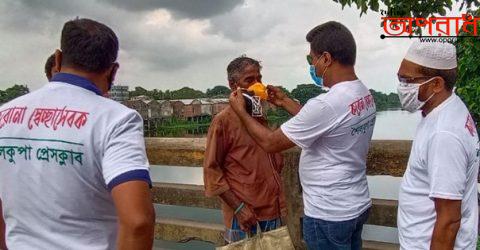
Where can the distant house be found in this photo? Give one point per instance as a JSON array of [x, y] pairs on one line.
[[190, 109], [185, 109], [166, 108], [206, 107], [194, 109], [178, 108], [218, 105], [141, 98], [154, 109], [140, 106]]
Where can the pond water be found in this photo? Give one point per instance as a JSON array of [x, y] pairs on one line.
[[392, 124]]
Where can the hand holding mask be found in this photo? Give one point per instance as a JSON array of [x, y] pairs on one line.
[[253, 97]]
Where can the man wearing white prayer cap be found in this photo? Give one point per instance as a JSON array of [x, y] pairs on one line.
[[438, 195]]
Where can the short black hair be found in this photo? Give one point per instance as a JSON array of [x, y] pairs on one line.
[[237, 66], [335, 38], [448, 75], [88, 45], [49, 65]]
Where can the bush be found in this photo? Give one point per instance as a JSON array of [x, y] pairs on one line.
[[468, 83]]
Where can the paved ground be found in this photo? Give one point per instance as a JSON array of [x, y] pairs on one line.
[[195, 245]]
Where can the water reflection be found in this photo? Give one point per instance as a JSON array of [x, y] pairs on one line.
[[390, 125], [177, 175], [396, 125]]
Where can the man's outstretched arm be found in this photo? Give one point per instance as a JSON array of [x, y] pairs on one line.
[[270, 141], [3, 244], [136, 216], [277, 97]]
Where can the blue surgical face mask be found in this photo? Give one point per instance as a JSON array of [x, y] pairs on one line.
[[318, 81]]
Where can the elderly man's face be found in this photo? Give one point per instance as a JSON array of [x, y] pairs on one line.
[[249, 76], [411, 73]]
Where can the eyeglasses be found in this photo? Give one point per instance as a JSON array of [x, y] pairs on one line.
[[310, 58], [411, 79]]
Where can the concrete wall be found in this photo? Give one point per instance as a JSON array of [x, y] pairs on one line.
[[384, 158]]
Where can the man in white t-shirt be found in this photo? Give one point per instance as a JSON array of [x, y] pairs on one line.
[[334, 130], [73, 168], [438, 196]]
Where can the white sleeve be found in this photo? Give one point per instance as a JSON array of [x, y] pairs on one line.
[[447, 163], [314, 120], [124, 156]]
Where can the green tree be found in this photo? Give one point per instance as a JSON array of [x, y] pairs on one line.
[[167, 95], [409, 7], [303, 92], [288, 93], [13, 92], [468, 82], [384, 102], [138, 92], [218, 91], [156, 94], [187, 93]]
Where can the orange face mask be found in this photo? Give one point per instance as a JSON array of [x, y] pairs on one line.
[[259, 90]]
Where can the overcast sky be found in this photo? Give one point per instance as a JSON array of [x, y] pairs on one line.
[[169, 44]]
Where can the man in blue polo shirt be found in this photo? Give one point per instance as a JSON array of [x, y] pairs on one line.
[[73, 168]]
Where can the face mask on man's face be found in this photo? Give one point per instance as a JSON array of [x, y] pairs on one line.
[[253, 105], [258, 89], [408, 95], [317, 80]]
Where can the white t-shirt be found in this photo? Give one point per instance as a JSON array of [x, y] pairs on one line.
[[334, 130], [62, 149], [443, 164]]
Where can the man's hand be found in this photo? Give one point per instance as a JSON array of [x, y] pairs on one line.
[[237, 102], [246, 218], [276, 96]]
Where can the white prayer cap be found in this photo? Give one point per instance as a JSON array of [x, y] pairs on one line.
[[435, 55]]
